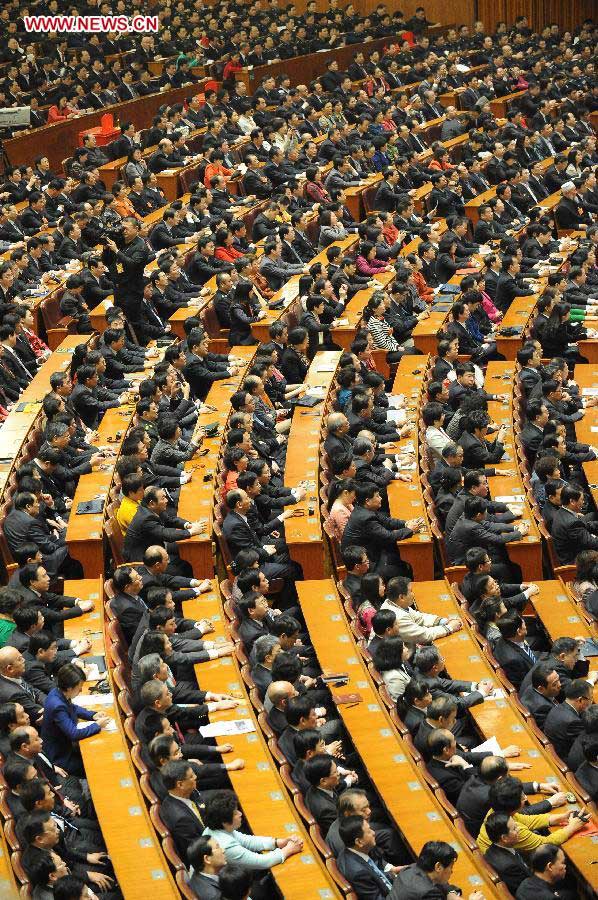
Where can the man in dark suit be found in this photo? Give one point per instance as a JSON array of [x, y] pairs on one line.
[[322, 774], [152, 525], [541, 696], [472, 530], [450, 770], [478, 453], [570, 531], [127, 605], [201, 370], [378, 534], [389, 193], [564, 722], [207, 858], [23, 525], [415, 882], [532, 433], [182, 809], [570, 214], [506, 286], [361, 862], [512, 650], [507, 862], [587, 773], [273, 558], [13, 687]]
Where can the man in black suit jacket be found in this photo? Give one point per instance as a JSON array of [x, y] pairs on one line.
[[378, 534], [207, 858], [478, 453], [450, 770], [389, 193], [570, 532], [23, 526], [564, 722], [507, 862], [200, 370], [541, 696], [322, 774], [587, 773], [182, 809], [361, 862], [570, 213], [471, 530], [127, 605], [152, 525], [13, 687], [512, 650]]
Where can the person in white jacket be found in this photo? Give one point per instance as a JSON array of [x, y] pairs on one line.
[[223, 819], [436, 436], [415, 627]]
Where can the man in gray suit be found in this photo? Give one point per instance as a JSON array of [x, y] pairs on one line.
[[206, 859]]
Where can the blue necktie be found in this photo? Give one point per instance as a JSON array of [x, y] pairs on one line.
[[528, 651], [385, 881]]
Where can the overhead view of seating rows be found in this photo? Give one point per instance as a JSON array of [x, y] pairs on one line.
[[299, 451]]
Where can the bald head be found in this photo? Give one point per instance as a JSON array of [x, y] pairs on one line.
[[11, 661], [279, 692]]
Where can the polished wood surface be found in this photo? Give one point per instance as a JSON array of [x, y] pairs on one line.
[[406, 498], [59, 140], [197, 497], [262, 795], [303, 532], [136, 855]]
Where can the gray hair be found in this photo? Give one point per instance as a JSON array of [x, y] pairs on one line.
[[148, 667], [264, 646]]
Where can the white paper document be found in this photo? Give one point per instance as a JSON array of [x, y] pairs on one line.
[[227, 729]]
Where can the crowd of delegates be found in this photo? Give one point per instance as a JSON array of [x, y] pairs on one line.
[[377, 128]]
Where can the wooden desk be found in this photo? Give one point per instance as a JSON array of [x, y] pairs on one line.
[[196, 498], [500, 105], [303, 875], [84, 533], [561, 616], [406, 499], [303, 533], [526, 552], [344, 335], [386, 757], [131, 842], [8, 885], [60, 139]]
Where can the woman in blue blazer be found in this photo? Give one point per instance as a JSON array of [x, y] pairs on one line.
[[59, 725]]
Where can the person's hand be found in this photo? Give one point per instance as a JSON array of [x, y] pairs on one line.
[[72, 807], [522, 528], [104, 882], [455, 625], [270, 548], [101, 719], [294, 846], [224, 748], [235, 764], [532, 588], [518, 766], [475, 895], [226, 650], [511, 750], [205, 626], [485, 687], [110, 243], [97, 859], [457, 762], [84, 605], [547, 788], [335, 748], [197, 528], [287, 514], [62, 772], [559, 798], [82, 646], [415, 524], [96, 460]]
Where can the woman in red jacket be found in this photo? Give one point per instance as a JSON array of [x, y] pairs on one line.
[[60, 112], [314, 189], [224, 246]]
